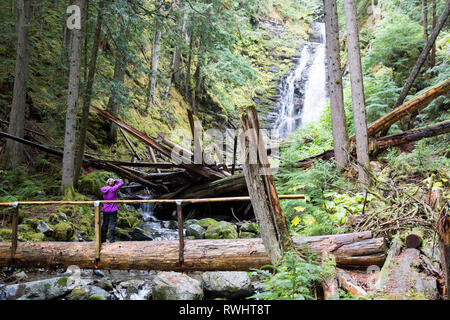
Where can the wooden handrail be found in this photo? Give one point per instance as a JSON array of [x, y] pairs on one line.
[[174, 201], [97, 216]]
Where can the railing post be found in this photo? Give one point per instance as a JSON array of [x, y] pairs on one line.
[[97, 230], [180, 232], [14, 224]]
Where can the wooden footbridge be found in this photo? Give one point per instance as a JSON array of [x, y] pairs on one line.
[[356, 249]]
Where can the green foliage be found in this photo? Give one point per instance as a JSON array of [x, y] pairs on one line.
[[428, 156], [293, 279], [397, 44], [310, 216], [19, 185]]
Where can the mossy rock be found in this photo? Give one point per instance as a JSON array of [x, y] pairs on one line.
[[206, 222], [92, 182], [244, 234], [77, 294], [63, 231], [249, 227], [55, 218], [221, 230], [32, 236], [24, 228], [33, 223], [5, 234], [97, 297]]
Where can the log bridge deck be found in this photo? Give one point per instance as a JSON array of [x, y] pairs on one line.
[[354, 249]]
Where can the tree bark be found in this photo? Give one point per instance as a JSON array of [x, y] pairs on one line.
[[227, 254], [155, 59], [340, 135], [425, 27], [411, 136], [444, 247], [88, 94], [357, 88], [433, 25], [68, 162], [14, 150], [266, 205]]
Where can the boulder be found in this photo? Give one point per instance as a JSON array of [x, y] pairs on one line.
[[196, 231], [249, 227], [63, 231], [139, 234], [48, 289], [227, 284], [78, 294], [132, 286], [221, 230], [98, 292], [188, 222], [244, 234], [206, 222], [44, 228], [176, 286]]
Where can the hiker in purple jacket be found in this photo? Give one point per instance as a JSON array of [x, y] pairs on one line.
[[110, 209]]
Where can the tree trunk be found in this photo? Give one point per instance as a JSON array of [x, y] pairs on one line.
[[425, 28], [88, 94], [433, 25], [187, 85], [14, 150], [227, 254], [68, 162], [155, 58], [340, 135], [444, 247], [266, 205], [357, 88]]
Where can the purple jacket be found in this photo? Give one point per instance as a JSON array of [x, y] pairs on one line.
[[109, 193]]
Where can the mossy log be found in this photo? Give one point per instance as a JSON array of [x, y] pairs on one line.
[[355, 249]]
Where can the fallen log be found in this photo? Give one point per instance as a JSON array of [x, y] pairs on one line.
[[202, 255], [97, 163], [349, 284], [225, 186], [412, 135], [186, 163], [413, 105], [381, 144]]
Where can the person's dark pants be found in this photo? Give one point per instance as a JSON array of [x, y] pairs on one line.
[[109, 222]]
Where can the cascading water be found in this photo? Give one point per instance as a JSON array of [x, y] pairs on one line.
[[303, 90], [157, 229]]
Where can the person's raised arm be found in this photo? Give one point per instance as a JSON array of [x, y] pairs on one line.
[[117, 186]]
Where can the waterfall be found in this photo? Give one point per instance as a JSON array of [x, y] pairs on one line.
[[147, 209], [303, 90]]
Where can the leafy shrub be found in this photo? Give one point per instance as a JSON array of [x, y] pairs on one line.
[[294, 278]]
